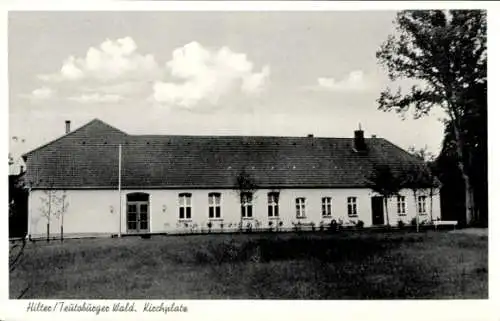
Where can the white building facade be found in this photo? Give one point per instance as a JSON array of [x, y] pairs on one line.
[[97, 212]]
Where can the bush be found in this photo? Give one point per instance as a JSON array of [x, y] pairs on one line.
[[401, 224], [333, 225], [420, 222], [360, 224]]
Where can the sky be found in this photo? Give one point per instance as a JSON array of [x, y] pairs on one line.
[[204, 73]]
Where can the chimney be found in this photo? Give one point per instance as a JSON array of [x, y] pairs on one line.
[[68, 126], [359, 140]]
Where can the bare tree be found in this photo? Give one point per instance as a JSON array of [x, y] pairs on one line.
[[422, 153], [425, 173], [419, 179], [62, 205], [245, 186], [53, 205], [385, 182], [46, 211]]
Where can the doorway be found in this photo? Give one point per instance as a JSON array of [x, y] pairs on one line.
[[377, 210], [138, 213]]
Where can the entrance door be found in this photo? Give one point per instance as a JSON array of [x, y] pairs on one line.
[[378, 210], [138, 213]]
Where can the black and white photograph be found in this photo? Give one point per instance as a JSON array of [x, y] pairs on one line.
[[246, 155]]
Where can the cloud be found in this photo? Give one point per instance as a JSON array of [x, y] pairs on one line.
[[96, 98], [205, 75], [42, 93], [355, 81], [112, 60]]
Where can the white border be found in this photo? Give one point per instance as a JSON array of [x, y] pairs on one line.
[[106, 5], [290, 310]]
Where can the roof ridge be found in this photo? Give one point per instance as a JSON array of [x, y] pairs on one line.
[[238, 136]]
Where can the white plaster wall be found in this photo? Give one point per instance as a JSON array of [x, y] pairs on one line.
[[230, 207], [411, 207], [97, 211], [88, 212]]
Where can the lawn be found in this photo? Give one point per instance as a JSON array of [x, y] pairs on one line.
[[342, 265]]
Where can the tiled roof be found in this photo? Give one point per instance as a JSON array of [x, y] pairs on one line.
[[88, 158]]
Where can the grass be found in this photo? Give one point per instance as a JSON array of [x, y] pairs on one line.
[[343, 265]]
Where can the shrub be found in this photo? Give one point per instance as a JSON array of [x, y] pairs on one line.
[[333, 225], [413, 221], [209, 225], [360, 224], [401, 224], [313, 226]]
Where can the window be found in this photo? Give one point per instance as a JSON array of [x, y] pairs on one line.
[[185, 206], [246, 205], [401, 204], [300, 205], [326, 206], [422, 205], [352, 209], [273, 204], [214, 205]]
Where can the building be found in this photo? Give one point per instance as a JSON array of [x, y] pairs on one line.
[[18, 206], [99, 180]]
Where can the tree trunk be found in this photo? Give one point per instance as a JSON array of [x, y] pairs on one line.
[[469, 194], [469, 202], [386, 211]]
